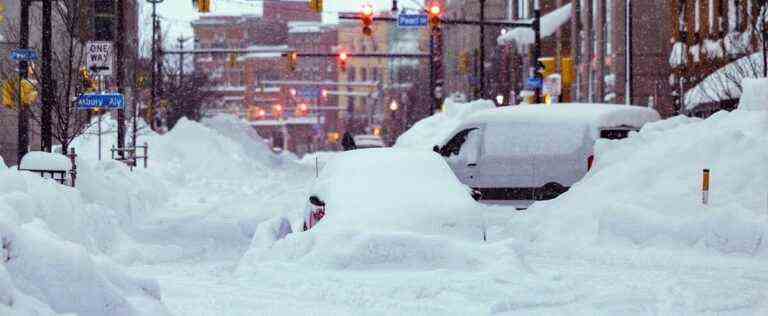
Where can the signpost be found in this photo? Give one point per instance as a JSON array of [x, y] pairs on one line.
[[24, 55], [98, 102], [412, 20], [100, 57], [534, 83]]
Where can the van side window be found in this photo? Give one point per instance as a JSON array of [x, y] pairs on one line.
[[453, 147], [618, 133]]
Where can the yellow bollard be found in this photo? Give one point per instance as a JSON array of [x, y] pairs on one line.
[[705, 187]]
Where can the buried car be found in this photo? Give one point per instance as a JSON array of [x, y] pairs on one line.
[[388, 189], [535, 152]]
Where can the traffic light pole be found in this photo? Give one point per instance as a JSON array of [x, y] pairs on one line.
[[46, 137], [536, 48], [482, 49], [155, 50], [23, 119]]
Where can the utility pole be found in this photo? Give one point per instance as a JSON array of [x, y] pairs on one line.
[[48, 87], [536, 47], [181, 41], [155, 26], [628, 54], [23, 132], [119, 44], [482, 49]]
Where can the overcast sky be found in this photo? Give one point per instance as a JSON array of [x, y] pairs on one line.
[[177, 14]]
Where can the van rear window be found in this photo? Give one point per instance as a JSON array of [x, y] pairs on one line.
[[520, 139], [614, 133]]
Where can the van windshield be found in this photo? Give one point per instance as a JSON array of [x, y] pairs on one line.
[[521, 139]]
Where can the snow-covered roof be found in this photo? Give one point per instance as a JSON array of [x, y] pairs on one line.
[[725, 83], [40, 160], [595, 115], [549, 25]]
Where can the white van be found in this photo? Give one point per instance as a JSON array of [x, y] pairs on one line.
[[534, 152]]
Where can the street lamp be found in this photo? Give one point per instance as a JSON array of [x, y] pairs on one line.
[[499, 99]]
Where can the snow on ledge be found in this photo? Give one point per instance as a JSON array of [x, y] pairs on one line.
[[40, 160], [549, 25]]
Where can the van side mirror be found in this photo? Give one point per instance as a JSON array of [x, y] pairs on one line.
[[314, 200]]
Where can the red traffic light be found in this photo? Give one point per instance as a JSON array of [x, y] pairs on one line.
[[367, 10], [343, 56], [367, 19]]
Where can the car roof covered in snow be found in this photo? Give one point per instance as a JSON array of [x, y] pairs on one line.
[[395, 190], [594, 115]]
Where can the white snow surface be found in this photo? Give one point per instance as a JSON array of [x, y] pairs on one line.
[[434, 129], [204, 231], [550, 23], [755, 96], [40, 160]]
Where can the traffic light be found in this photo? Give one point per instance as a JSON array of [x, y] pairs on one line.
[[316, 5], [343, 61], [277, 110], [464, 63], [232, 62], [367, 18], [203, 6], [324, 93], [293, 60], [302, 110], [434, 15]]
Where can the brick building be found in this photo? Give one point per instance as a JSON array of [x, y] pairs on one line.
[[252, 85]]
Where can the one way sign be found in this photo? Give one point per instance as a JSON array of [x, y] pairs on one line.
[[100, 57]]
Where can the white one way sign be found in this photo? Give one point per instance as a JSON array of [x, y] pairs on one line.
[[100, 57]]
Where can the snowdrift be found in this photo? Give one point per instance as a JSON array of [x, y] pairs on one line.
[[434, 129], [52, 240], [385, 208], [645, 191]]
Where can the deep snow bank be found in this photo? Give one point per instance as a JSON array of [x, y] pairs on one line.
[[434, 129], [386, 207], [53, 240], [645, 190]]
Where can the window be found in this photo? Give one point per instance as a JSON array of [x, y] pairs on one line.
[[363, 74], [375, 74], [453, 146]]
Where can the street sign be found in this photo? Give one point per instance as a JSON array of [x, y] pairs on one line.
[[310, 93], [534, 83], [23, 55], [100, 57], [412, 20], [101, 101]]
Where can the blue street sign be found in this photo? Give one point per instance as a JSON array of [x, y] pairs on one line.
[[311, 93], [101, 101], [412, 20], [534, 83], [23, 55]]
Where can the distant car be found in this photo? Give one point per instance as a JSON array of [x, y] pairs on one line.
[[394, 190], [369, 141], [534, 152]]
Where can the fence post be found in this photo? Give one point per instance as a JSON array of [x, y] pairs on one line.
[[705, 187], [146, 154], [73, 173]]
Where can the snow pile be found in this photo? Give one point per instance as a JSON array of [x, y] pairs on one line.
[[645, 191], [550, 23], [40, 160], [435, 129], [51, 257], [755, 95], [385, 207]]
